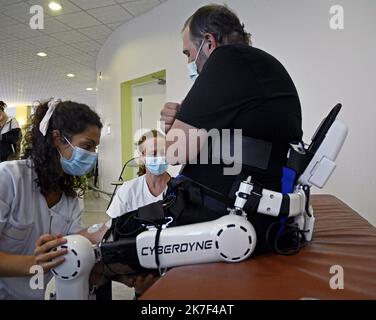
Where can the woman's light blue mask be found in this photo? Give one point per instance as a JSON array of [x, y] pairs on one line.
[[192, 67], [81, 162], [156, 165]]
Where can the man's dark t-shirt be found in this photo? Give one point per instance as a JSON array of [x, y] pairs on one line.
[[242, 87]]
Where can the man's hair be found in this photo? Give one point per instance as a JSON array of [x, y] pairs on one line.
[[219, 21]]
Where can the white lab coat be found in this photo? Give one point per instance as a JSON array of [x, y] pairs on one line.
[[132, 195], [9, 125], [24, 217]]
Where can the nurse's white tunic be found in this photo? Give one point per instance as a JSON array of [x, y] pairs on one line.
[[132, 195], [24, 217]]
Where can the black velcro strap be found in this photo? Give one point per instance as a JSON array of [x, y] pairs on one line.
[[254, 199], [285, 206], [151, 212], [175, 182], [157, 236], [255, 153], [108, 232], [195, 195], [235, 186], [298, 161]]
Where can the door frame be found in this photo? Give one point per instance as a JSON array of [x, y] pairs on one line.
[[126, 111]]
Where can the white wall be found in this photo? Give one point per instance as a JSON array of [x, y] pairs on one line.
[[11, 112], [327, 67]]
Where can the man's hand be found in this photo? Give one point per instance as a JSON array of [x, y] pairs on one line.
[[43, 255], [168, 114], [96, 232], [119, 272], [144, 282]]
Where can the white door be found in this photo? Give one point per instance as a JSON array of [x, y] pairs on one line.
[[147, 102], [146, 113]]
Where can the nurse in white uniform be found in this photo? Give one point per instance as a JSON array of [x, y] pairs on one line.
[[149, 187], [38, 195], [152, 182]]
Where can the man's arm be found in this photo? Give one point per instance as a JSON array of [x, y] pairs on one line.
[[96, 232], [100, 274], [184, 142], [178, 133]]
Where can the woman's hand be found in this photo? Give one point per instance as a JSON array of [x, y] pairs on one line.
[[44, 257]]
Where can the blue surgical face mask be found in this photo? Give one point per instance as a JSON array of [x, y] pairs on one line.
[[192, 67], [81, 162], [156, 165]]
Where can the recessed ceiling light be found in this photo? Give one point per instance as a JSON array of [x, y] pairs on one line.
[[54, 6], [70, 75], [89, 89], [42, 54]]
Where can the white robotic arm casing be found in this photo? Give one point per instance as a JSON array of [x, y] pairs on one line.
[[322, 164], [230, 238], [72, 276]]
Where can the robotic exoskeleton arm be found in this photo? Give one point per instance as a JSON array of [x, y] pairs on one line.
[[231, 238]]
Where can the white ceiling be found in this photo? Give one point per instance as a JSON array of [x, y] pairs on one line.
[[71, 38]]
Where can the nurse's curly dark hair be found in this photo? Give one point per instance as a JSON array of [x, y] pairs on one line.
[[70, 118]]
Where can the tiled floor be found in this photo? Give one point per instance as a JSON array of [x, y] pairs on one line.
[[94, 209], [94, 212]]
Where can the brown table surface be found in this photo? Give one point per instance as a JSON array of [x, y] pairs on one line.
[[342, 237]]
